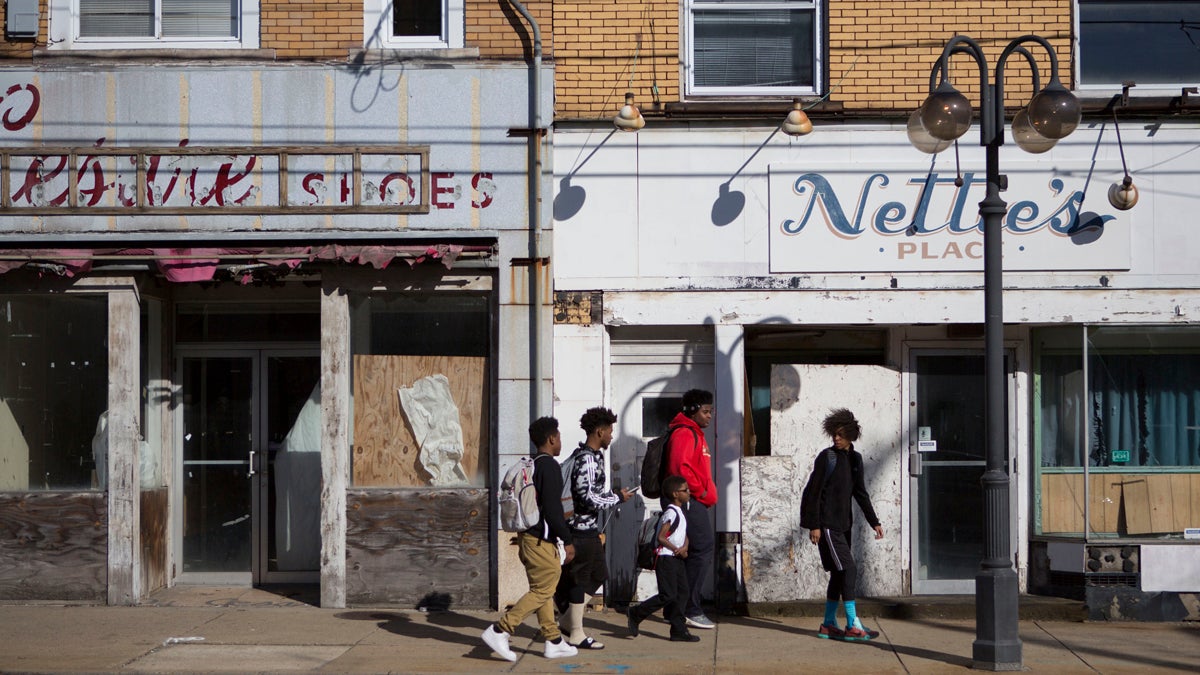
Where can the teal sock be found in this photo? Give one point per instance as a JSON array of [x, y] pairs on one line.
[[851, 614], [831, 612]]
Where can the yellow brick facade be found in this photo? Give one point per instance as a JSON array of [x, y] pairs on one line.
[[879, 51]]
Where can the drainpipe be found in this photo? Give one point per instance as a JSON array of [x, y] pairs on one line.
[[535, 214]]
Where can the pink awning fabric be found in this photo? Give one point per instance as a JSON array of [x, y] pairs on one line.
[[184, 265]]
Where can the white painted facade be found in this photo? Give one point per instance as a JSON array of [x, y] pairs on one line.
[[730, 230]]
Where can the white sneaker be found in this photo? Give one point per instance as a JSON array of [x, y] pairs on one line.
[[560, 650], [498, 641]]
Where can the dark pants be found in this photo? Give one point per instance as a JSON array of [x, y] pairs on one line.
[[585, 573], [837, 558], [671, 573], [701, 545]]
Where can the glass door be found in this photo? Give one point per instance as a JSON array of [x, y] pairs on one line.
[[289, 489], [946, 462], [251, 467], [219, 419]]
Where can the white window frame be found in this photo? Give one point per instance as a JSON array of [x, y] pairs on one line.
[[1106, 88], [819, 40], [377, 32], [64, 32]]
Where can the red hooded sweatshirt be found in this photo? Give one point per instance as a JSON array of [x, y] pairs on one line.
[[687, 456]]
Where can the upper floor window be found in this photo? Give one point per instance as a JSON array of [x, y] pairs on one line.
[[753, 47], [413, 24], [1151, 43], [143, 24]]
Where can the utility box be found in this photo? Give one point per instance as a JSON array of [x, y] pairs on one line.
[[22, 19]]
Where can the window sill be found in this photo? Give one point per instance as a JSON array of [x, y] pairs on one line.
[[136, 55]]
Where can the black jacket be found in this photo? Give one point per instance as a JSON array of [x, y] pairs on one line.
[[547, 478], [825, 502]]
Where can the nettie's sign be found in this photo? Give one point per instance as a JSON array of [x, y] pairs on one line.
[[898, 220]]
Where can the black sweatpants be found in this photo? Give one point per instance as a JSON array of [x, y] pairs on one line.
[[701, 545], [838, 560], [671, 573]]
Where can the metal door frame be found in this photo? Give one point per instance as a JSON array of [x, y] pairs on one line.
[[959, 586], [258, 353]]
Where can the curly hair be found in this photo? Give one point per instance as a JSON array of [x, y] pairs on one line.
[[841, 421], [594, 418], [541, 429]]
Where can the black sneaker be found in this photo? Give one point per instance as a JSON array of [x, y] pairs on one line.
[[685, 637], [631, 621]]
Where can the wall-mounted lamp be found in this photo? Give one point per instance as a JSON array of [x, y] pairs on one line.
[[1122, 195], [629, 118], [797, 123]]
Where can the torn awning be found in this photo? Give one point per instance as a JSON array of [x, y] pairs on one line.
[[200, 264]]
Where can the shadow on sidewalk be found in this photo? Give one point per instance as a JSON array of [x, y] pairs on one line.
[[443, 626]]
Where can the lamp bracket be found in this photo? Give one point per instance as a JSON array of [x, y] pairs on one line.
[[1125, 86]]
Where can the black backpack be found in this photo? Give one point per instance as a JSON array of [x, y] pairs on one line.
[[647, 553], [654, 463]]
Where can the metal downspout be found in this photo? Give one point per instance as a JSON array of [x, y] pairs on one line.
[[535, 215]]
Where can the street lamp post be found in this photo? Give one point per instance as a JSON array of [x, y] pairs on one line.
[[1051, 114]]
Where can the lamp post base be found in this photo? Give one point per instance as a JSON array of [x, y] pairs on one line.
[[997, 645]]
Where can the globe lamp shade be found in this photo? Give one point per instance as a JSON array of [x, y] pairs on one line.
[[1054, 111], [1027, 137], [946, 114], [921, 139]]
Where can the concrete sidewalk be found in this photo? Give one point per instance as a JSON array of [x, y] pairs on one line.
[[258, 632]]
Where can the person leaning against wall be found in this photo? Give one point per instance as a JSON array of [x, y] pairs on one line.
[[688, 456], [538, 550]]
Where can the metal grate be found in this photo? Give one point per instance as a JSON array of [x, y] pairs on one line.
[[1113, 580]]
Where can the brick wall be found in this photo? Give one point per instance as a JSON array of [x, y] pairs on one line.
[[603, 49], [500, 32], [299, 29], [880, 51]]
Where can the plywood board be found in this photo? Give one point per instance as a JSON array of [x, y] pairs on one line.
[[386, 453], [1162, 504], [1062, 503], [1105, 505], [1135, 491], [56, 546], [406, 547]]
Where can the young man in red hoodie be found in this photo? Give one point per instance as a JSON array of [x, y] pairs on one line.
[[688, 456]]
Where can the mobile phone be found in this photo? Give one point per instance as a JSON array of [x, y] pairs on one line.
[[635, 488]]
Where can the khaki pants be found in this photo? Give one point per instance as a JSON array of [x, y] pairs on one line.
[[542, 568]]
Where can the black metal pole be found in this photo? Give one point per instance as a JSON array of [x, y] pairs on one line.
[[997, 642]]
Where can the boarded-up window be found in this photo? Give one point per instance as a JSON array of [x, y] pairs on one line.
[[420, 387]]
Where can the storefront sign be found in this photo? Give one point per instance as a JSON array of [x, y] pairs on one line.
[[898, 220], [209, 180]]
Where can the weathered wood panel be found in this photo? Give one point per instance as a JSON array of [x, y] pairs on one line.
[[54, 546], [123, 448], [335, 437], [153, 533], [385, 452], [1149, 503], [1062, 502], [404, 546]]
